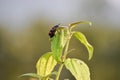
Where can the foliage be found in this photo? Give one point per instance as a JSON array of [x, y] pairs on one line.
[[58, 55]]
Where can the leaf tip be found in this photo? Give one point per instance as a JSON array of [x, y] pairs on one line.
[[91, 53]]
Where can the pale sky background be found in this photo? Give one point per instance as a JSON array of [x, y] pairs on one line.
[[18, 13]]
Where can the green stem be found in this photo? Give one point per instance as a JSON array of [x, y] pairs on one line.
[[64, 57], [66, 50], [59, 71]]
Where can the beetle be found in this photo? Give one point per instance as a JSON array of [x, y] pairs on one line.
[[53, 30]]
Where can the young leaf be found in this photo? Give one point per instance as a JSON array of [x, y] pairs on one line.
[[78, 69], [46, 64], [58, 42], [76, 23], [34, 75], [84, 41]]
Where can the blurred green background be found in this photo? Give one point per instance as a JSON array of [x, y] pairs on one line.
[[24, 27]]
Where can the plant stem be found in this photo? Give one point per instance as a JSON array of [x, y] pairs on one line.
[[59, 71], [66, 50], [64, 57]]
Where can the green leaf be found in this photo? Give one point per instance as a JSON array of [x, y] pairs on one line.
[[80, 22], [80, 36], [58, 42], [54, 73], [78, 69], [46, 64], [34, 75]]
